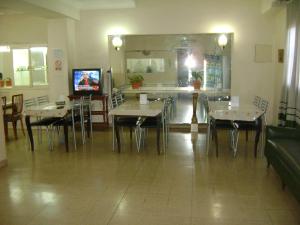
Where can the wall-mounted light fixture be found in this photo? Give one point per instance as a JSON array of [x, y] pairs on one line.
[[117, 42], [222, 41], [4, 48]]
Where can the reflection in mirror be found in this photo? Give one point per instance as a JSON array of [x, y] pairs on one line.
[[170, 60]]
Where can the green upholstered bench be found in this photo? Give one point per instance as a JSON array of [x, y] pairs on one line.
[[282, 151]]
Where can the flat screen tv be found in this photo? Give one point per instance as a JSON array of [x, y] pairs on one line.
[[87, 81]]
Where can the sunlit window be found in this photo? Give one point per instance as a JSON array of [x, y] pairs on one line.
[[21, 67], [30, 66]]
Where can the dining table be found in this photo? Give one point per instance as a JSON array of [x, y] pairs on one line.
[[135, 109], [223, 110], [43, 111]]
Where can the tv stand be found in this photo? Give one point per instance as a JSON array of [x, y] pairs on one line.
[[99, 110]]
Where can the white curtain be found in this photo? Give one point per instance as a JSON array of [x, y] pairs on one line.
[[289, 112]]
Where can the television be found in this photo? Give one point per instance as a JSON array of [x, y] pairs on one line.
[[87, 81]]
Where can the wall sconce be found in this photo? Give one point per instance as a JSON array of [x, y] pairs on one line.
[[117, 42], [222, 41], [4, 48]]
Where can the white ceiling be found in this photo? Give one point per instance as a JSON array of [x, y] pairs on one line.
[[100, 4], [55, 8]]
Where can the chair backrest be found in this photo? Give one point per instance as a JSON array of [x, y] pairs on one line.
[[119, 98], [30, 102], [43, 99], [3, 104], [114, 102], [17, 104], [204, 99], [263, 105], [256, 101]]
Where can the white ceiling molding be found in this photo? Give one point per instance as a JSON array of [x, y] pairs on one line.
[[270, 6], [41, 8], [60, 8], [57, 6], [100, 4]]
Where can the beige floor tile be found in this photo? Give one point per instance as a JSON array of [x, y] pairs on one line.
[[184, 186], [279, 217]]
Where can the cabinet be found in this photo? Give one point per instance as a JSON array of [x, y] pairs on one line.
[[99, 110]]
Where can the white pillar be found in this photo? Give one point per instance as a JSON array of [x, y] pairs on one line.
[[3, 158]]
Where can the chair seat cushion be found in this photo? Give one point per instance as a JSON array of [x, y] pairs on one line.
[[127, 121], [247, 125], [45, 121], [10, 117], [222, 124], [150, 122]]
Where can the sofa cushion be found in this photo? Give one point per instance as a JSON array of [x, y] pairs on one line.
[[289, 151]]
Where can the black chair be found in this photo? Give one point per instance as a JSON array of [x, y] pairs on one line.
[[124, 121], [152, 122], [14, 116], [216, 125], [255, 125], [46, 122]]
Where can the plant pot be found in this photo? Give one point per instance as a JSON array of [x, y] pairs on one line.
[[136, 85], [1, 83], [8, 83], [197, 84]]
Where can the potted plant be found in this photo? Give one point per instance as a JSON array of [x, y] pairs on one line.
[[197, 79], [136, 80], [1, 83], [8, 82]]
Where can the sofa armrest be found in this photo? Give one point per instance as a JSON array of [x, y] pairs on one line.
[[282, 133]]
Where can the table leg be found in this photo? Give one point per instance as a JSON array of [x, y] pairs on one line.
[[117, 133], [234, 138], [66, 135], [194, 125], [208, 135], [113, 132], [158, 121], [258, 131], [29, 130]]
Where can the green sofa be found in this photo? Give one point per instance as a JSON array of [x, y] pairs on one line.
[[282, 151]]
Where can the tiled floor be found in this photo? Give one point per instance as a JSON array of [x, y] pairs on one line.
[[94, 185]]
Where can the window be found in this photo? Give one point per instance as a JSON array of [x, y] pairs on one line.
[[30, 66], [145, 65]]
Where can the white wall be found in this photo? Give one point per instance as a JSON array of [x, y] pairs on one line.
[[243, 18], [88, 47], [23, 29], [57, 34], [279, 44], [58, 42]]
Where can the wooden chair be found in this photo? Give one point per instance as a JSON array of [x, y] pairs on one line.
[[14, 115]]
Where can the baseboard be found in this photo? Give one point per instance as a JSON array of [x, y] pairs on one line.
[[3, 163]]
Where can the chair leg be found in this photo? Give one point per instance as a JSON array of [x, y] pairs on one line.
[[6, 130], [282, 185], [216, 142], [15, 129], [256, 143], [130, 133], [22, 126]]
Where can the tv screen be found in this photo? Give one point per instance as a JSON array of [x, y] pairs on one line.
[[87, 81]]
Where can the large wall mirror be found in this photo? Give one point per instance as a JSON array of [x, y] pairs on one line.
[[170, 59]]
